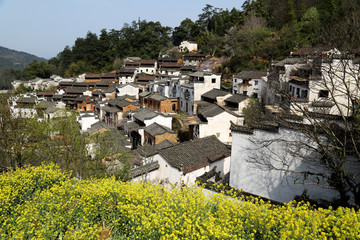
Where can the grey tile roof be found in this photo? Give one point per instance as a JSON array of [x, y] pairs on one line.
[[196, 154], [111, 109], [144, 94], [57, 96], [98, 126], [127, 96], [164, 144], [136, 172], [127, 84], [251, 74], [157, 129], [292, 60], [213, 93], [144, 114], [75, 90], [23, 99], [188, 85], [123, 103], [236, 98], [210, 111], [326, 103], [110, 90], [158, 97]]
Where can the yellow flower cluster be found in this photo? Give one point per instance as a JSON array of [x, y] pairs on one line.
[[43, 203]]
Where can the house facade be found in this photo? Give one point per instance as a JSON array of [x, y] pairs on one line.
[[263, 163], [250, 83]]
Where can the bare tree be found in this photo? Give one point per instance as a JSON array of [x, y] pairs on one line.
[[322, 111]]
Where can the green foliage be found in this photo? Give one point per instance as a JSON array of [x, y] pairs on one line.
[[253, 112], [43, 203], [22, 89], [6, 77], [37, 69], [28, 141]]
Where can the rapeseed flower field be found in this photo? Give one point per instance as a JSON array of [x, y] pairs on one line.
[[44, 203]]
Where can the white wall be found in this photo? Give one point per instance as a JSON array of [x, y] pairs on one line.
[[272, 184], [86, 122], [129, 90], [162, 120], [218, 126]]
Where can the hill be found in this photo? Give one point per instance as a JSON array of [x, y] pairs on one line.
[[15, 59]]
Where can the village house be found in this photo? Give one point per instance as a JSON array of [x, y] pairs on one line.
[[193, 59], [110, 93], [92, 78], [212, 119], [317, 80], [45, 95], [86, 119], [85, 103], [170, 69], [159, 103], [143, 79], [250, 83], [155, 134], [263, 163], [24, 106], [114, 110], [188, 46], [141, 118], [198, 84], [184, 162], [143, 66], [128, 89], [126, 75], [143, 167]]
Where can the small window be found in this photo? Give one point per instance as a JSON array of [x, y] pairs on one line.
[[323, 93], [213, 80], [256, 83], [304, 93]]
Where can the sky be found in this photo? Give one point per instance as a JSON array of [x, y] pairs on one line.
[[45, 27]]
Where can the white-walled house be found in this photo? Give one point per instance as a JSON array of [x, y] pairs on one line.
[[126, 75], [128, 89], [188, 46], [250, 83], [315, 80], [184, 162], [142, 118], [214, 120], [198, 84], [258, 154], [86, 119]]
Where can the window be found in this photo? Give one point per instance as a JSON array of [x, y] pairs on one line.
[[290, 88], [256, 83], [298, 91], [213, 80], [304, 93], [323, 93]]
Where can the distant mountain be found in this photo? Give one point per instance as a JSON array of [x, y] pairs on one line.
[[15, 59]]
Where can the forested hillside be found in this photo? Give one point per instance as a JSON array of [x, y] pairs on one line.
[[15, 59], [263, 30]]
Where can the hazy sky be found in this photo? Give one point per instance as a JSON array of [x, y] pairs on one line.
[[45, 27]]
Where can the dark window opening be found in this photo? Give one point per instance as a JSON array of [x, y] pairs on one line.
[[323, 93]]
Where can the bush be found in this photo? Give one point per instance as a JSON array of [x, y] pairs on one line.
[[43, 203]]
